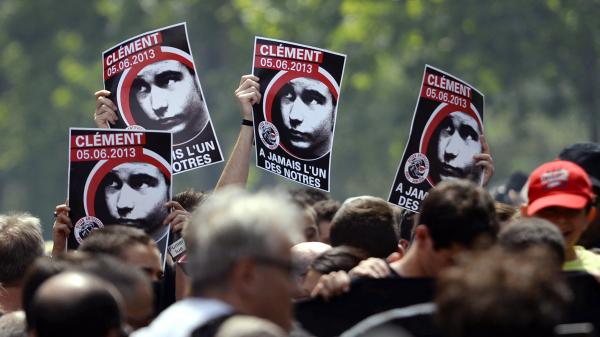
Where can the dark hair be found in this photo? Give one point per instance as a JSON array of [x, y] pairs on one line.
[[308, 196], [499, 294], [458, 212], [338, 258], [326, 209], [524, 233], [367, 223], [114, 239], [405, 221], [190, 199]]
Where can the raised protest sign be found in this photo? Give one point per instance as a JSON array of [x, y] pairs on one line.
[[294, 122], [154, 84], [444, 137], [119, 177]]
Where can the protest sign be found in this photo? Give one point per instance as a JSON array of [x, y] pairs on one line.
[[444, 137], [154, 84], [119, 177], [294, 122]]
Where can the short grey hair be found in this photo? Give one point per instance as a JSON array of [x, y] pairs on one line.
[[21, 243], [13, 324], [233, 224]]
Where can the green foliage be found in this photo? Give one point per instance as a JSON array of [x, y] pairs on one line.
[[536, 61]]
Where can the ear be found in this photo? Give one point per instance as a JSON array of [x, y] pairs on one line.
[[422, 234], [243, 275], [395, 256], [592, 214], [403, 244]]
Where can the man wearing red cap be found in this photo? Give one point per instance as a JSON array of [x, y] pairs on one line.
[[561, 192]]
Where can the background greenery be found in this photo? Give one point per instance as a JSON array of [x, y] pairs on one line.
[[537, 62]]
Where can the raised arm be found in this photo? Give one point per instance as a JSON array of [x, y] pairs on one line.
[[238, 164]]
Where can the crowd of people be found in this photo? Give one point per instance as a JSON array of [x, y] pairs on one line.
[[522, 260]]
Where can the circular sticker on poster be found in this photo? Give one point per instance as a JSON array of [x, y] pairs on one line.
[[268, 134], [416, 168], [84, 226]]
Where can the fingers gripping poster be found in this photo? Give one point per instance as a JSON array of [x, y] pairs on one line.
[[295, 120], [119, 177], [445, 135], [154, 84]]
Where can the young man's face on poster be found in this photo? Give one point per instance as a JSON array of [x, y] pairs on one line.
[[458, 142], [167, 93], [135, 194], [307, 112]]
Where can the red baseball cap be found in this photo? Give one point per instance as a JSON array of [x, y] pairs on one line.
[[559, 183]]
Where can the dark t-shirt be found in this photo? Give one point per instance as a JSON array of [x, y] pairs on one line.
[[585, 306], [366, 297]]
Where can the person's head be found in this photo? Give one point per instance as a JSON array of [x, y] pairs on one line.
[[367, 223], [130, 245], [133, 285], [587, 155], [13, 324], [509, 193], [169, 96], [455, 215], [303, 254], [500, 294], [524, 233], [21, 243], [310, 225], [307, 114], [239, 251], [308, 195], [41, 270], [454, 143], [335, 259], [135, 195], [190, 199], [75, 304], [505, 213], [561, 192], [326, 210]]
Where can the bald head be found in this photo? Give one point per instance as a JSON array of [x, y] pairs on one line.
[[303, 254], [75, 304]]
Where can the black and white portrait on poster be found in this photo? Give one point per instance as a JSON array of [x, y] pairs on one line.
[[444, 137], [119, 177], [294, 122], [154, 84]]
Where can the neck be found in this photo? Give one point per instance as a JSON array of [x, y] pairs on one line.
[[411, 265], [10, 298], [226, 296], [570, 253]]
